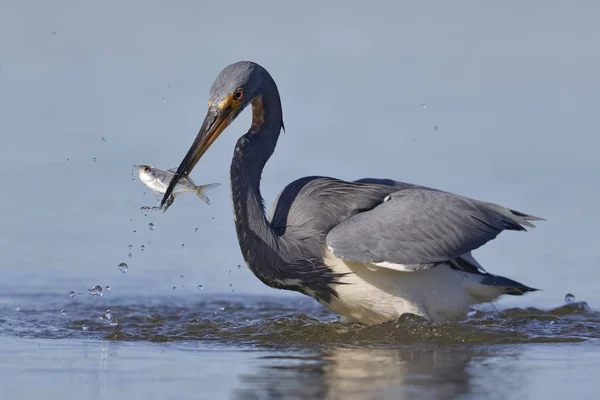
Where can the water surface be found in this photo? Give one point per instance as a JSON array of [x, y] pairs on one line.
[[493, 101], [169, 346]]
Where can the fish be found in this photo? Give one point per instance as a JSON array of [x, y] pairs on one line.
[[158, 180]]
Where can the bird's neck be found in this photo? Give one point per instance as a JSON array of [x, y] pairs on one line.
[[278, 261], [258, 241]]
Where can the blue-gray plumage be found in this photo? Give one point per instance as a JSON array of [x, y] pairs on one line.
[[419, 229], [369, 250]]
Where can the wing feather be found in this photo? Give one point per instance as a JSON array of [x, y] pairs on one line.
[[419, 229]]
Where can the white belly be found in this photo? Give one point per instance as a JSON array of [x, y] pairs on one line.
[[374, 296]]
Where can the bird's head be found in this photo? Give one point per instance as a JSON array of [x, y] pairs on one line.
[[234, 88]]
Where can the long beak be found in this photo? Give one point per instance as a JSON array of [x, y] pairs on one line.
[[216, 120]]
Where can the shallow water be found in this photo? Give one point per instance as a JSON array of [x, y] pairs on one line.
[[442, 95], [272, 347]]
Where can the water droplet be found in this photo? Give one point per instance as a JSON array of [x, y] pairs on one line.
[[68, 159], [71, 294], [123, 268], [174, 287], [570, 298], [182, 285], [130, 246], [196, 230], [129, 255], [84, 327], [435, 128], [181, 276], [230, 270], [63, 312], [142, 247], [133, 180], [107, 287], [103, 140], [231, 284], [200, 287], [233, 291], [164, 100], [113, 322], [96, 290], [151, 226], [222, 308], [154, 287], [134, 232], [108, 314], [239, 266], [79, 294], [423, 105], [183, 246], [95, 159]]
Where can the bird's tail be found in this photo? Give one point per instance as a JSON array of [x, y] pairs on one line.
[[484, 286], [202, 188], [488, 287]]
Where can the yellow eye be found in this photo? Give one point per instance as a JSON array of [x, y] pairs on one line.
[[238, 94]]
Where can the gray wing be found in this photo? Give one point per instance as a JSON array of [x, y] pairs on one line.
[[417, 229]]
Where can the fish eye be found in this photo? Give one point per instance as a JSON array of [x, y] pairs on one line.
[[146, 168], [238, 94]]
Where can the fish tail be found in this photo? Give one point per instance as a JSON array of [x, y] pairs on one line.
[[202, 188]]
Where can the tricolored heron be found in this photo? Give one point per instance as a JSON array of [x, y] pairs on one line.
[[369, 250]]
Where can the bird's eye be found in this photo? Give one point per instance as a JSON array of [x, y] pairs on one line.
[[237, 95]]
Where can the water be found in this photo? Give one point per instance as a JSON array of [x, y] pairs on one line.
[[123, 267], [272, 347], [516, 126], [96, 290]]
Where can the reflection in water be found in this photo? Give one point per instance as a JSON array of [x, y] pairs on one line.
[[353, 373], [309, 356], [103, 365]]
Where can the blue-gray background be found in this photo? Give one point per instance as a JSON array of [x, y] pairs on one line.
[[512, 87]]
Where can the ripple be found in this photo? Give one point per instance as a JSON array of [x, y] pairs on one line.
[[255, 321]]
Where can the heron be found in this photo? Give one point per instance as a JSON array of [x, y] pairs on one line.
[[370, 250]]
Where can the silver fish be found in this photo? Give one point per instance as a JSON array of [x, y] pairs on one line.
[[158, 180]]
